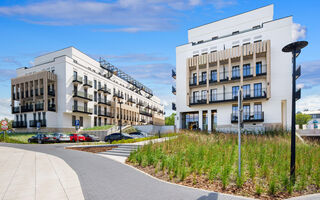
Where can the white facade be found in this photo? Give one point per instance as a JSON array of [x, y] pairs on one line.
[[250, 41], [64, 64]]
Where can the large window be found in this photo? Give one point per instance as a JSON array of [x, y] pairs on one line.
[[259, 68], [246, 70], [213, 96], [195, 97], [204, 76], [190, 121], [234, 112], [194, 78], [235, 72], [246, 91], [257, 111], [203, 94], [257, 89], [73, 120], [214, 75], [246, 112], [235, 90]]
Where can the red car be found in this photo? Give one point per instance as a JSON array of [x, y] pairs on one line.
[[77, 137]]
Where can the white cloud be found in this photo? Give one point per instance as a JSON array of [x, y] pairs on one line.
[[5, 108], [145, 15], [311, 102], [309, 74], [298, 31]]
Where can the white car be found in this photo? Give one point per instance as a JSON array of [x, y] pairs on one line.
[[61, 137]]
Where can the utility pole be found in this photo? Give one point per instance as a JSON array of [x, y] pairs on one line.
[[120, 122], [240, 125], [295, 48]]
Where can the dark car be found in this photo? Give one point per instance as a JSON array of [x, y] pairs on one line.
[[117, 136], [90, 138], [42, 138]]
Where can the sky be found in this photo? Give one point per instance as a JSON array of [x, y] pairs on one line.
[[138, 36]]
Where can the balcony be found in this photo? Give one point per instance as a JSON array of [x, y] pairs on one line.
[[248, 117], [33, 123], [224, 76], [82, 95], [15, 109], [51, 93], [261, 70], [143, 112], [82, 109], [87, 83], [27, 108], [19, 124], [131, 100], [36, 92], [233, 96], [235, 73], [140, 103], [173, 74], [198, 99], [174, 90], [77, 79], [202, 80], [213, 79], [39, 106], [118, 95], [174, 106], [109, 114], [52, 107], [105, 102]]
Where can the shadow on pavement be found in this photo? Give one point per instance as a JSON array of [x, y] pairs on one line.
[[211, 196]]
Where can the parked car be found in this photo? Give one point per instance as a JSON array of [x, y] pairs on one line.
[[138, 134], [117, 136], [76, 137], [42, 138], [91, 138], [60, 137]]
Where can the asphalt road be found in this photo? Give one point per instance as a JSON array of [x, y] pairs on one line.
[[105, 179]]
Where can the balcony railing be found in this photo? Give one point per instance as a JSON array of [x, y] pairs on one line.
[[15, 109], [233, 96], [82, 109], [87, 83], [39, 106], [51, 92], [202, 80], [131, 100], [77, 79], [198, 99], [235, 73], [174, 106], [105, 102], [174, 74], [19, 124], [140, 103], [262, 70], [82, 95], [143, 112], [224, 76], [173, 90], [33, 123], [248, 117], [52, 107], [118, 95], [27, 108]]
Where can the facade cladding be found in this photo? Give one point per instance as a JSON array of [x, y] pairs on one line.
[[67, 85], [243, 51]]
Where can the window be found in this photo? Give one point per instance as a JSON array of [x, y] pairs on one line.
[[85, 79], [75, 105], [75, 90], [257, 89], [234, 112], [99, 121], [43, 115], [99, 85], [246, 91], [257, 111], [75, 75], [204, 95], [258, 68], [95, 96], [235, 90], [34, 116], [246, 70], [194, 78], [246, 112], [213, 96], [95, 84], [235, 72], [39, 116], [85, 106], [86, 92], [73, 120], [81, 121], [204, 76], [214, 75], [95, 109], [95, 121], [195, 96], [25, 117]]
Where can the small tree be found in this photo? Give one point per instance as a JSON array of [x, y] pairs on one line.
[[302, 119], [170, 120]]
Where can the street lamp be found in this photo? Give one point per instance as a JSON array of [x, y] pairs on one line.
[[295, 49], [120, 122]]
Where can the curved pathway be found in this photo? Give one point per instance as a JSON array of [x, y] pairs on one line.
[[103, 178]]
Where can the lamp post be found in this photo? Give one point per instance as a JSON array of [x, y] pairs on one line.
[[295, 49], [120, 122]]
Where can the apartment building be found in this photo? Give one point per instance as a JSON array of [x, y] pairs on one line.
[[68, 85], [242, 51]]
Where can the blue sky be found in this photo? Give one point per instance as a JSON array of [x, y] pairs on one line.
[[138, 36]]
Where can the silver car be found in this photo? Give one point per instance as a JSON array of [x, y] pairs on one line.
[[61, 137]]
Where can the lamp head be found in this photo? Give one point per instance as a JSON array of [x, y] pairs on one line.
[[297, 46]]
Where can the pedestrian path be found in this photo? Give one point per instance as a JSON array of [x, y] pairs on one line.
[[122, 152], [32, 175]]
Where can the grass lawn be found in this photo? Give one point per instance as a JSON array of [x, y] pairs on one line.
[[97, 128], [211, 162], [17, 137]]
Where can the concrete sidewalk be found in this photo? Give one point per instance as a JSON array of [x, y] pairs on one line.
[[32, 175]]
